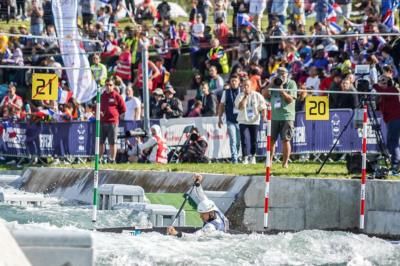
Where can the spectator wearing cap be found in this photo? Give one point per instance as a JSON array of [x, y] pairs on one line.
[[56, 65], [390, 108], [133, 106], [11, 105], [155, 103], [112, 107], [170, 107], [99, 71], [283, 104]]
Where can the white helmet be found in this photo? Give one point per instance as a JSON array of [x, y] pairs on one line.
[[206, 206]]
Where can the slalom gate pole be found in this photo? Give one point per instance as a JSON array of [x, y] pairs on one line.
[[96, 157], [268, 165], [363, 168]]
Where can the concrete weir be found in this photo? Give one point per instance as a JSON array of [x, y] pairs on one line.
[[295, 203]]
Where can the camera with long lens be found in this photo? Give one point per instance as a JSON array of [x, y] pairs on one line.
[[278, 81], [194, 136], [136, 133], [362, 73]]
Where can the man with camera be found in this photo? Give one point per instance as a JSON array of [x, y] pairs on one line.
[[283, 104], [389, 106], [195, 149], [170, 107], [155, 149]]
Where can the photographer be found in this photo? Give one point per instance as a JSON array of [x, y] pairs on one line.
[[155, 149], [195, 149], [170, 107], [283, 104], [390, 108]]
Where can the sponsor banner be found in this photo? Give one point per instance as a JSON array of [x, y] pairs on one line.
[[78, 138], [80, 77], [217, 138]]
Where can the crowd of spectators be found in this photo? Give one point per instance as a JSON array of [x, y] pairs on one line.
[[237, 44]]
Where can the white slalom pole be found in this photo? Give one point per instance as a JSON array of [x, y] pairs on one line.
[[268, 166], [97, 157], [363, 168]]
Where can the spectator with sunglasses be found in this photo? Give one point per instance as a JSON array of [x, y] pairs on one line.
[[112, 107]]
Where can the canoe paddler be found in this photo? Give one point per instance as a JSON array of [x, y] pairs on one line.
[[213, 219]]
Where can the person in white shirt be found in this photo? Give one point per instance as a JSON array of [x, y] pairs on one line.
[[133, 106], [252, 106], [198, 27], [313, 81]]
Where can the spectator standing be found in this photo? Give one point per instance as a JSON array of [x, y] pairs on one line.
[[227, 107], [171, 107], [283, 104], [209, 101], [346, 7], [133, 106], [155, 103], [21, 9], [48, 17], [256, 8], [36, 13], [88, 9], [252, 107], [123, 69], [216, 83], [11, 105], [112, 107], [217, 57], [99, 71], [390, 108], [279, 8], [321, 9]]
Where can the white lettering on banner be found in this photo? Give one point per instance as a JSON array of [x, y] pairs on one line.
[[217, 138], [335, 124], [18, 138], [81, 138], [371, 136], [300, 134], [46, 141], [73, 53]]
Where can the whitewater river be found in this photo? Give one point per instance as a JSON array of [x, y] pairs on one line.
[[304, 248]]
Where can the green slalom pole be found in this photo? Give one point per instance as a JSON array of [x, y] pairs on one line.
[[96, 157]]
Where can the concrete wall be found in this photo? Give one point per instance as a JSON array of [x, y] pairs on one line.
[[295, 203], [10, 252]]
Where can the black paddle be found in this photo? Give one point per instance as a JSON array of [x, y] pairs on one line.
[[187, 195]]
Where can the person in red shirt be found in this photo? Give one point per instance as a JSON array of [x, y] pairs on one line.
[[112, 107], [389, 106], [11, 105]]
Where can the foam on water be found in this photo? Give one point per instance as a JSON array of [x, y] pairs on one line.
[[303, 248]]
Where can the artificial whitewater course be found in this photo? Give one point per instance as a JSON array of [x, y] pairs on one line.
[[306, 247]]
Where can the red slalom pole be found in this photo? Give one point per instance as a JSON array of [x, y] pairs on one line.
[[268, 165], [363, 168]]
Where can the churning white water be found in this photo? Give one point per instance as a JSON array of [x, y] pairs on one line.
[[303, 248]]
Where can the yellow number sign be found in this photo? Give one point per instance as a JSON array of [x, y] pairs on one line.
[[317, 108], [44, 87]]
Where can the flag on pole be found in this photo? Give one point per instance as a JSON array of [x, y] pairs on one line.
[[244, 20], [387, 8], [335, 28], [80, 77], [331, 17]]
